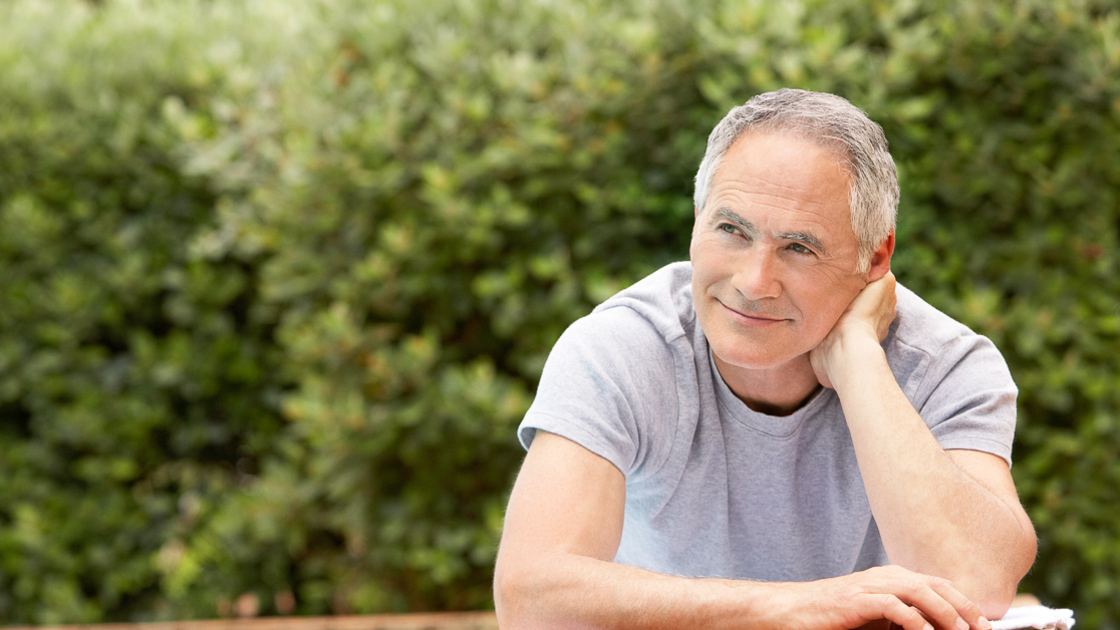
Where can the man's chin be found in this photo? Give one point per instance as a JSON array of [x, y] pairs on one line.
[[760, 362]]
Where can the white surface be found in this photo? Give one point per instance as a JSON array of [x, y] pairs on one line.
[[1035, 617]]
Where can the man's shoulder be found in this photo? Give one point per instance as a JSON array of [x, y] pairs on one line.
[[645, 323], [612, 381], [926, 344], [921, 325], [661, 300]]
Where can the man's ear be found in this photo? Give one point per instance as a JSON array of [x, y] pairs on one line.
[[881, 259]]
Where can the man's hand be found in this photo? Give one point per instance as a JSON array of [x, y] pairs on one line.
[[868, 316], [910, 600]]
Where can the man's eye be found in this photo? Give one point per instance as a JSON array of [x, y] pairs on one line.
[[800, 249], [728, 228]]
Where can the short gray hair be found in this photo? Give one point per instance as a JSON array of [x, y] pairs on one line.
[[834, 123]]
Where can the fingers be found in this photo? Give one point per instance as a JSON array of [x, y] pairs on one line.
[[891, 608], [937, 608], [884, 300], [875, 305], [913, 601], [964, 607], [868, 316]]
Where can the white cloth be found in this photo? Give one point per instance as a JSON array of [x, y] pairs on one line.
[[1039, 617]]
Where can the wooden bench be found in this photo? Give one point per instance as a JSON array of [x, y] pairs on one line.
[[416, 621]]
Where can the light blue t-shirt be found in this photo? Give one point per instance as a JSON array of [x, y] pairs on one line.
[[714, 489]]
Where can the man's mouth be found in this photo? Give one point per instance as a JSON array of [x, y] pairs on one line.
[[752, 318]]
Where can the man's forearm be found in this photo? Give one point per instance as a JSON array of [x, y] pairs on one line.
[[933, 516], [563, 590], [562, 528], [571, 591]]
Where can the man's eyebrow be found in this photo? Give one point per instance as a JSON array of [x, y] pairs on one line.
[[803, 237], [734, 218]]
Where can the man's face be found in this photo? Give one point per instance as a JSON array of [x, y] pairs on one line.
[[773, 252]]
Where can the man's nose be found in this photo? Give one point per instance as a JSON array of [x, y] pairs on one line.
[[758, 275]]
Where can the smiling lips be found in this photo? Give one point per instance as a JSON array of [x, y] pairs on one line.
[[752, 318]]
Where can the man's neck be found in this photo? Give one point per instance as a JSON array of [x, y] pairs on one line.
[[777, 391]]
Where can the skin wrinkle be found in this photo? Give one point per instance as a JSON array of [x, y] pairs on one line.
[[758, 182]]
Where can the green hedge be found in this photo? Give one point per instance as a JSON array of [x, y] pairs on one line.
[[277, 279]]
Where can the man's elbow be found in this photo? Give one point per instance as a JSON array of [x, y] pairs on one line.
[[993, 588], [512, 590], [995, 601], [505, 597]]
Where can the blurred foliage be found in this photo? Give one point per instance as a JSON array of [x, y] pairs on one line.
[[277, 279]]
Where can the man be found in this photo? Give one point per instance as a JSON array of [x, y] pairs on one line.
[[748, 440]]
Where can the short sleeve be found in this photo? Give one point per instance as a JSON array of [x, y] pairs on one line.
[[972, 402], [608, 385]]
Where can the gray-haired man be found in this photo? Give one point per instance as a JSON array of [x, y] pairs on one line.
[[749, 439]]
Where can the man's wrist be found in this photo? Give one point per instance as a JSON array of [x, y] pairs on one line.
[[858, 360]]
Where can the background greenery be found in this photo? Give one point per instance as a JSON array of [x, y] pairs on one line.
[[277, 278]]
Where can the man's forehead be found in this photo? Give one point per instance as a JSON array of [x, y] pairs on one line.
[[780, 165], [813, 135], [762, 142]]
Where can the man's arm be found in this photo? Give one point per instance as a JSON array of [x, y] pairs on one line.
[[563, 528], [954, 514]]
